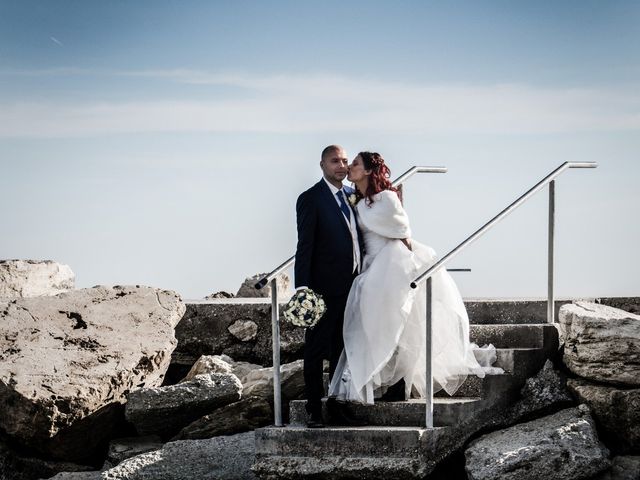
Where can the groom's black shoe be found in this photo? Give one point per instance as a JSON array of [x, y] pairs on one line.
[[315, 420], [339, 414], [395, 393]]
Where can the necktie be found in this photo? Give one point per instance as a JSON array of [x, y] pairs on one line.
[[343, 205]]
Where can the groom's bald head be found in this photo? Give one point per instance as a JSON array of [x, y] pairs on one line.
[[330, 151]]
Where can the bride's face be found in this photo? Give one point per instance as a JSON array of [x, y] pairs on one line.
[[356, 170]]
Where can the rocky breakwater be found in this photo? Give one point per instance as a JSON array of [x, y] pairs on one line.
[[602, 347], [67, 363], [255, 406]]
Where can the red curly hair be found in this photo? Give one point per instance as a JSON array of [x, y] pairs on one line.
[[379, 178]]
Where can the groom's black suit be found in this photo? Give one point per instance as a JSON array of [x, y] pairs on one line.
[[324, 263]]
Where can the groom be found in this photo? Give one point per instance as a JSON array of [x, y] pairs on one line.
[[328, 257]]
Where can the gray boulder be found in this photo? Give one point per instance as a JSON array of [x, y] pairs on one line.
[[221, 364], [228, 458], [255, 409], [165, 410], [616, 411], [247, 414], [260, 382], [122, 448], [562, 446], [622, 468], [601, 343], [208, 364], [242, 370], [33, 278], [68, 361], [220, 294], [248, 290], [540, 393]]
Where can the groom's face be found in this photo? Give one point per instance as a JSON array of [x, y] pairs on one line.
[[335, 165]]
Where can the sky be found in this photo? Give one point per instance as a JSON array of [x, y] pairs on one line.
[[165, 143]]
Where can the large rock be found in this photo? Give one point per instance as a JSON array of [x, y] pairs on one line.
[[260, 382], [248, 290], [68, 362], [616, 411], [601, 343], [208, 364], [247, 414], [622, 468], [33, 278], [221, 364], [204, 330], [165, 410], [544, 391], [122, 448], [228, 458], [562, 446]]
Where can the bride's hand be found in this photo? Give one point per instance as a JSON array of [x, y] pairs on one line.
[[407, 242]]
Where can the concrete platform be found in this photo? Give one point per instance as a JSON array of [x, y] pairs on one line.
[[340, 452]]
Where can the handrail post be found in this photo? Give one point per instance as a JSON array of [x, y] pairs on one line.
[[275, 335], [428, 359], [550, 253]]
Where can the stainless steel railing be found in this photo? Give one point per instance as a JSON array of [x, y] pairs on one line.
[[275, 314], [428, 274]]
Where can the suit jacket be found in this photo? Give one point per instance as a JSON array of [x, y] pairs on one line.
[[324, 254]]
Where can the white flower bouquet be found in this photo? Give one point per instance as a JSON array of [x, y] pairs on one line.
[[305, 308]]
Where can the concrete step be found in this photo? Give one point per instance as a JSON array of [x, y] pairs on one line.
[[518, 362], [346, 452], [515, 336], [410, 413], [302, 441]]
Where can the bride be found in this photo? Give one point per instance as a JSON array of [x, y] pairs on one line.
[[384, 322]]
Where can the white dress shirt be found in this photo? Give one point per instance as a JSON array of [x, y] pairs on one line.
[[351, 223]]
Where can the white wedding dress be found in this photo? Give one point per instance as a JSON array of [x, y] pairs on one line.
[[385, 319]]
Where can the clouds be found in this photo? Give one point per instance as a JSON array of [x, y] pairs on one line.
[[322, 103]]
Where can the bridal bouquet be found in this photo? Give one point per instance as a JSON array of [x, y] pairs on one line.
[[305, 308]]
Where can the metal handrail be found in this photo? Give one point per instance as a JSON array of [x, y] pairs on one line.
[[398, 181], [548, 179], [428, 274], [275, 314]]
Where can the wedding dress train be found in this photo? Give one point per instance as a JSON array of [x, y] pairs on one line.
[[384, 324]]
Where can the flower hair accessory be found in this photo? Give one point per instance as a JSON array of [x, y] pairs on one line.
[[305, 308]]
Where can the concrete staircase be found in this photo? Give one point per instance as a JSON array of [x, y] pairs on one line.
[[395, 443]]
